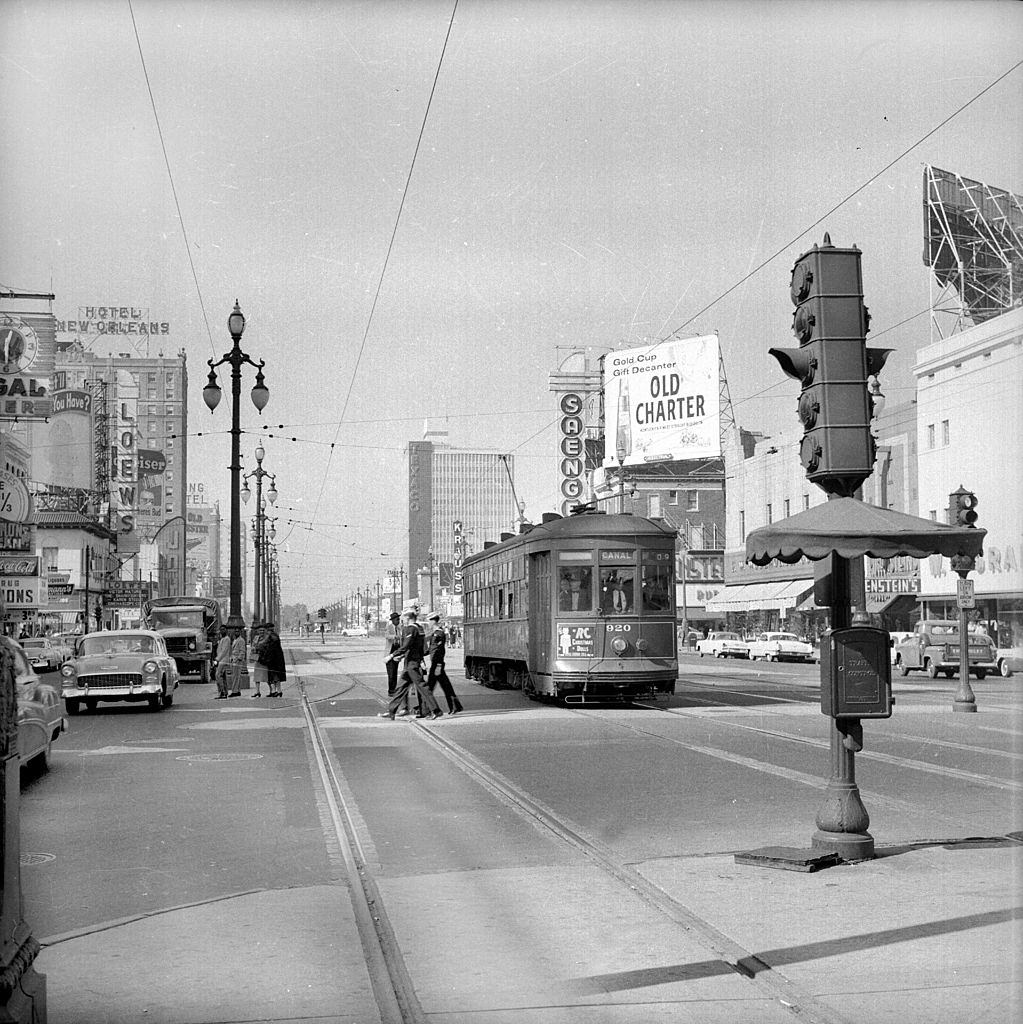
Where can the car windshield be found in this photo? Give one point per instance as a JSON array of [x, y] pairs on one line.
[[34, 643], [787, 637], [122, 643], [176, 618], [726, 636]]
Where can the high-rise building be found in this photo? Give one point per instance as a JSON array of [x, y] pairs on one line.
[[458, 500], [140, 449]]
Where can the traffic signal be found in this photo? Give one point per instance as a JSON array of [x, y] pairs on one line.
[[833, 365], [962, 508], [322, 613]]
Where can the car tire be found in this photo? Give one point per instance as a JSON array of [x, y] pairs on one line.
[[931, 668], [91, 704], [980, 673], [1003, 669], [900, 665], [156, 702], [71, 705], [168, 700]]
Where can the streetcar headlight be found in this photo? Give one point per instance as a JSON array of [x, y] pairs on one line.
[[619, 645], [642, 645]]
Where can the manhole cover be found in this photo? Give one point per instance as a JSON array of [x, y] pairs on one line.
[[219, 757], [30, 860]]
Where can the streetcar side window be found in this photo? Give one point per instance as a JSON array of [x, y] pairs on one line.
[[617, 590], [656, 588], [575, 588]]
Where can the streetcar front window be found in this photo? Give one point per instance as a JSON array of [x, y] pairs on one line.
[[575, 589], [656, 588], [617, 590]]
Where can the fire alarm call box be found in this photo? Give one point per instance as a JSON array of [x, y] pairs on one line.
[[856, 673]]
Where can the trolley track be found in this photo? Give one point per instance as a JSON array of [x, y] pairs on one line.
[[743, 962], [390, 977]]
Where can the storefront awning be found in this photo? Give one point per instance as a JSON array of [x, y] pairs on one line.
[[749, 597]]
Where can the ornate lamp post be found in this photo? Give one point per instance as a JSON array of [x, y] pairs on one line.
[[259, 531], [211, 396]]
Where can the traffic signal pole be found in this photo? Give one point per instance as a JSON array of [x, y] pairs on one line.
[[962, 506]]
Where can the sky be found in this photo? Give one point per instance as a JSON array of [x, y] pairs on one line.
[[424, 208]]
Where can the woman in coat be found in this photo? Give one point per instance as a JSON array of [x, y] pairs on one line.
[[271, 656]]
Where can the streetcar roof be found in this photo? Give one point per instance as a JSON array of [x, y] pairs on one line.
[[584, 526]]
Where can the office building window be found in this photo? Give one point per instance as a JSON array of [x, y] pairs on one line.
[[944, 433], [806, 502], [742, 526], [769, 511], [655, 505], [930, 435], [788, 508], [672, 497], [692, 501]]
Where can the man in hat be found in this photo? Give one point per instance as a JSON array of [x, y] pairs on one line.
[[413, 650], [392, 641], [436, 648]]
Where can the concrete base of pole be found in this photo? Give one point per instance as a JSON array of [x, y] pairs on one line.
[[966, 705], [24, 1002], [849, 846]]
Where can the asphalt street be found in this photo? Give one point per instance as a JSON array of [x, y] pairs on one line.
[[497, 914]]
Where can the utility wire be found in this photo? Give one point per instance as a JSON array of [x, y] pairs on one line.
[[170, 175], [728, 291], [387, 255]]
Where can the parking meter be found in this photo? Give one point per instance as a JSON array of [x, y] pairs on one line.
[[856, 673]]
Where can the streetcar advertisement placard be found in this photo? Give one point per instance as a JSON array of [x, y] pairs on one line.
[[661, 402], [575, 641]]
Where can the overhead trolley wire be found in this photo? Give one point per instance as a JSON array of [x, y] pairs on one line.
[[170, 176]]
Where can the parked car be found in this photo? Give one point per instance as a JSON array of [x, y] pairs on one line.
[[44, 654], [1009, 660], [780, 647], [933, 647], [723, 645], [119, 665], [40, 715]]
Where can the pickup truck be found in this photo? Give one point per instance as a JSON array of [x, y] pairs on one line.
[[933, 647]]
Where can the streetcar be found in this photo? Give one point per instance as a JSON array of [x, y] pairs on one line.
[[579, 608]]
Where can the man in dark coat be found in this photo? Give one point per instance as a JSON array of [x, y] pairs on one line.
[[412, 649], [436, 648], [271, 655]]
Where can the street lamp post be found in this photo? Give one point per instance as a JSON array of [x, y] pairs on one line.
[[429, 569], [259, 531], [211, 396]]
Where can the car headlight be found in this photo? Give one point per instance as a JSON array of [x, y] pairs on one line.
[[191, 645], [150, 667], [67, 670]]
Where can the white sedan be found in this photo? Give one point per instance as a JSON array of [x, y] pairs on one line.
[[780, 647], [723, 645]]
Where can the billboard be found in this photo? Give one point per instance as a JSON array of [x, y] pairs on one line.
[[62, 447], [28, 343], [661, 403]]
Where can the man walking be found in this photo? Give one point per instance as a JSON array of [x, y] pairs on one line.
[[392, 641], [237, 662], [412, 649], [223, 665], [436, 649]]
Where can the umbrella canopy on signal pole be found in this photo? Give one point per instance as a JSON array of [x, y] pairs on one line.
[[849, 527]]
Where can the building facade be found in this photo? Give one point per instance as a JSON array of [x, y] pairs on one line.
[[458, 500], [969, 425]]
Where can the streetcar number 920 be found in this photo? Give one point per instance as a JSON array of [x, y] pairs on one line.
[[619, 627]]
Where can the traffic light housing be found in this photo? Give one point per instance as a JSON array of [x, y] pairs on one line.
[[962, 508], [833, 364]]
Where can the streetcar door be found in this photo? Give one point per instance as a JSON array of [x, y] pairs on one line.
[[540, 612]]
